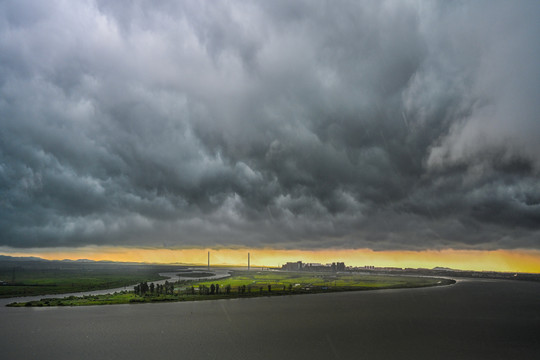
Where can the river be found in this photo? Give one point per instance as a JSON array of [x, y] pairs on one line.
[[170, 276], [477, 319]]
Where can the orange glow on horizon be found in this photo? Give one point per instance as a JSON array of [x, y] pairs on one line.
[[480, 260]]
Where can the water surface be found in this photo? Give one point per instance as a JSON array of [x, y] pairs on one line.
[[477, 319]]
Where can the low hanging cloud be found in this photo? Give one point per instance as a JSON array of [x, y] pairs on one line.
[[379, 124]]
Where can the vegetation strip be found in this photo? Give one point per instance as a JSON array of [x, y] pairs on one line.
[[32, 279], [245, 284]]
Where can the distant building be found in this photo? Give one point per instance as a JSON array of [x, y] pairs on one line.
[[299, 266], [292, 266], [316, 267]]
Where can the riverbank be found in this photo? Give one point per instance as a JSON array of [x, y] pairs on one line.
[[240, 285], [171, 276]]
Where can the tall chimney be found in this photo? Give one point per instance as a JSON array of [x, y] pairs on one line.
[[248, 261]]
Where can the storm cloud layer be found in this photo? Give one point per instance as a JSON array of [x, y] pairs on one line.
[[316, 124]]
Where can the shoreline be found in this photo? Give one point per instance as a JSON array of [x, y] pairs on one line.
[[127, 298], [171, 276]]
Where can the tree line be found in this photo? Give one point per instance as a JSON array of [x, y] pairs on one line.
[[158, 289], [145, 289]]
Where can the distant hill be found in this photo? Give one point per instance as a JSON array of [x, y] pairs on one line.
[[20, 258], [6, 259], [80, 261]]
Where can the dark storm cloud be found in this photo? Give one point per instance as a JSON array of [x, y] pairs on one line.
[[389, 125]]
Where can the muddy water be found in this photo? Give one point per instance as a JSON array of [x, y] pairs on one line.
[[469, 320]]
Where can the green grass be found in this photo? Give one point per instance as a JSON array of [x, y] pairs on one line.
[[28, 282], [256, 283], [304, 280]]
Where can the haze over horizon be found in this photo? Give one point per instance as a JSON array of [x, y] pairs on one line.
[[375, 126]]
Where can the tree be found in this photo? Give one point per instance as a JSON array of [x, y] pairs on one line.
[[143, 288], [152, 287], [228, 289], [269, 288], [204, 290], [217, 288], [212, 289]]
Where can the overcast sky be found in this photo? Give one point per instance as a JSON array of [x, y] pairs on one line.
[[286, 124]]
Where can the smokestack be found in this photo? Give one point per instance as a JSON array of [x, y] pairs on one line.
[[209, 260], [248, 261]]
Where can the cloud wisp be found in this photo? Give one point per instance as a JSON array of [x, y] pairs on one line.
[[368, 124]]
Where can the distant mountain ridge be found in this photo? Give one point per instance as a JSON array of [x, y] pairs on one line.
[[7, 258], [38, 259], [21, 258]]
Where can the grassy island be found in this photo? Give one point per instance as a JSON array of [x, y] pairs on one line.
[[246, 284]]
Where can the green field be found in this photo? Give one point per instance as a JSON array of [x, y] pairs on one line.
[[61, 279], [302, 281], [252, 284]]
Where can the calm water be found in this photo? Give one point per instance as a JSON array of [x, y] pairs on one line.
[[469, 320]]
